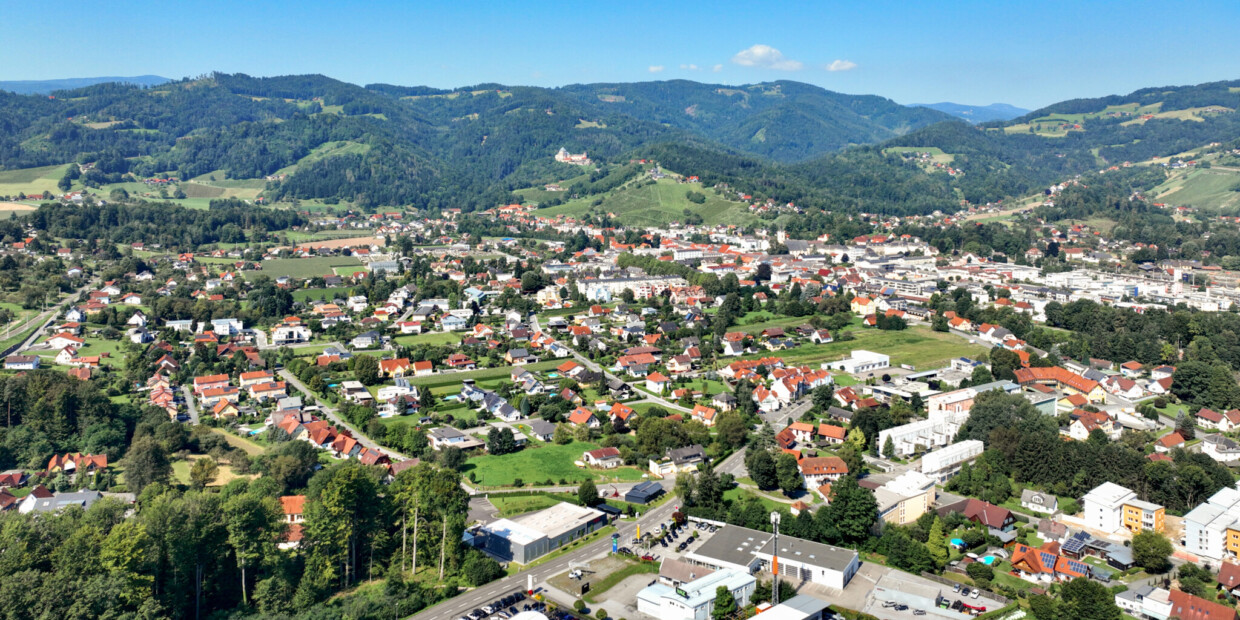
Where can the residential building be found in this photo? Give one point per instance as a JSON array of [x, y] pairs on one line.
[[907, 497], [1212, 529], [945, 462], [1108, 507]]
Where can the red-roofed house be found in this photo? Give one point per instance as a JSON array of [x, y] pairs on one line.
[[820, 470], [831, 434], [1169, 442], [656, 381], [1188, 607]]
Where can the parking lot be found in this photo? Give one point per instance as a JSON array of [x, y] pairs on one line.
[[653, 541], [900, 596]]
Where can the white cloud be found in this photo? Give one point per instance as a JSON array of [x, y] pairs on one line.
[[655, 68], [690, 67], [766, 57], [841, 65], [717, 68]]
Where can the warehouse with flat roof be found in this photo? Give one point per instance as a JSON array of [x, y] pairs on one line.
[[529, 537]]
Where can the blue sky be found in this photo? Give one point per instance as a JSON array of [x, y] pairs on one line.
[[969, 52]]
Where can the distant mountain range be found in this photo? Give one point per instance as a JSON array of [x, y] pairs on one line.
[[976, 113], [43, 87]]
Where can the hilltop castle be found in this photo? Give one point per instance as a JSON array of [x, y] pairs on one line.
[[570, 158]]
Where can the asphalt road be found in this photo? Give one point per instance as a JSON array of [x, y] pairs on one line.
[[191, 406], [461, 604], [588, 363], [44, 320], [330, 413]]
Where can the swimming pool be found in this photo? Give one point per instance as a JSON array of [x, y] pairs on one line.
[[988, 560]]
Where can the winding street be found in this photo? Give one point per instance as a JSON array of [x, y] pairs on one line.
[[331, 414], [588, 363]]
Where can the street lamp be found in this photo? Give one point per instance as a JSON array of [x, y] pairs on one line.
[[775, 559]]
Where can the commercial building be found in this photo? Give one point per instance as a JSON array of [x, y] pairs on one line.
[[861, 361], [743, 549], [944, 463], [534, 535], [695, 600], [1109, 507]]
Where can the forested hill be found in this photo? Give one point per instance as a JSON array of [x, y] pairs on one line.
[[785, 121], [320, 138]]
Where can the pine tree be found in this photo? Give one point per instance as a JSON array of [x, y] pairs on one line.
[[937, 543]]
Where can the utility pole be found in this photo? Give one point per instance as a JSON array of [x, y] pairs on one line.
[[775, 560]]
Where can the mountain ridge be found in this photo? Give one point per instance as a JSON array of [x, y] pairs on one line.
[[976, 113], [44, 87]]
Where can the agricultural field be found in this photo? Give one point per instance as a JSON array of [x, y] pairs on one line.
[[1203, 188], [538, 463], [642, 204], [918, 346], [327, 149], [31, 181], [936, 154], [1053, 125], [305, 267]]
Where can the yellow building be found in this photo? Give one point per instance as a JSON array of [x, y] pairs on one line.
[[906, 498], [1139, 516]]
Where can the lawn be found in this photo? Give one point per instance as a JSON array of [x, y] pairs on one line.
[[918, 346], [738, 493], [305, 267], [536, 464]]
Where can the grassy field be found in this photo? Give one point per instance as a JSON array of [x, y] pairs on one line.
[[742, 494], [305, 267], [936, 154], [31, 181], [537, 464], [432, 338], [641, 203], [250, 447], [918, 345], [327, 149], [636, 567], [509, 506], [180, 472], [1202, 188], [455, 378], [315, 294]]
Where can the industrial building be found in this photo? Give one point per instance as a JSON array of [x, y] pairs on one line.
[[739, 548], [529, 537], [695, 600]]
